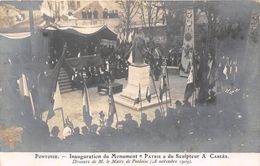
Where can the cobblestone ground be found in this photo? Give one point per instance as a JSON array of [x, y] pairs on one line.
[[72, 104]]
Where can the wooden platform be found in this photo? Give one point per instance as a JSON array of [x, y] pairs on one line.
[[173, 70], [116, 88], [129, 103]]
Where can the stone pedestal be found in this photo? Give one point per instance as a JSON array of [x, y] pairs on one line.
[[137, 75], [173, 70]]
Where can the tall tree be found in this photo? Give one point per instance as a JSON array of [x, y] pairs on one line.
[[151, 13], [130, 9]]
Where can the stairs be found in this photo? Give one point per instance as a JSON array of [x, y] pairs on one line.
[[64, 81]]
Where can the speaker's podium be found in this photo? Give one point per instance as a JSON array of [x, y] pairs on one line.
[[104, 88], [138, 75]]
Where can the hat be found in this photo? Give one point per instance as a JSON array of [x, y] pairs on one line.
[[101, 114], [157, 112], [94, 127], [143, 116], [178, 102], [55, 130], [128, 116]]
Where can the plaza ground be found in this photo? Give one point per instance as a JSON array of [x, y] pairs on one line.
[[72, 104]]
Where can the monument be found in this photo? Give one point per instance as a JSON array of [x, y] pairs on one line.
[[140, 82]]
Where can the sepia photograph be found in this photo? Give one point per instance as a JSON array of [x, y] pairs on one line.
[[115, 76]]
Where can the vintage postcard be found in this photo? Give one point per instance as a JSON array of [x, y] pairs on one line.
[[129, 82]]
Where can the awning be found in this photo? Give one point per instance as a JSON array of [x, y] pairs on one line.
[[21, 35], [102, 31]]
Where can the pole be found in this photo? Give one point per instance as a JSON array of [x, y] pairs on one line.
[[31, 21], [116, 117], [192, 101], [168, 87], [161, 108], [115, 108], [110, 94], [140, 98], [166, 100], [62, 116]]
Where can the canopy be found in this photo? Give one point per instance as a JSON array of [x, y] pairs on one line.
[[20, 35], [102, 32]]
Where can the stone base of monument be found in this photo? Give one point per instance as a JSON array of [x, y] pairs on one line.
[[183, 74], [173, 70], [130, 103], [138, 79]]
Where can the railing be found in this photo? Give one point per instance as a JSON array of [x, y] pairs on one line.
[[92, 22], [68, 69]]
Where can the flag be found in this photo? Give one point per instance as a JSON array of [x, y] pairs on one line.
[[57, 103], [87, 117], [190, 86], [138, 99], [225, 71], [130, 36], [148, 95], [112, 107], [211, 74], [55, 71], [120, 41], [57, 98], [10, 62], [119, 37], [190, 76], [124, 37], [51, 113], [130, 59], [133, 34], [25, 93], [23, 86], [163, 86]]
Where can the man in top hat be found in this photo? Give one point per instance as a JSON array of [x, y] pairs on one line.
[[145, 125], [178, 106], [129, 125], [54, 139]]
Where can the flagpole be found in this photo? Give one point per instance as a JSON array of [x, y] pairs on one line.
[[166, 101], [32, 104], [194, 66], [161, 108], [62, 116], [140, 98], [115, 111], [168, 87], [112, 97]]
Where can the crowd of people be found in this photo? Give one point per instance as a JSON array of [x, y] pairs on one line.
[[174, 58], [89, 14], [113, 67], [94, 14], [110, 13], [219, 127], [226, 73]]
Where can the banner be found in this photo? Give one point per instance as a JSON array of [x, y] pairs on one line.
[[188, 43]]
